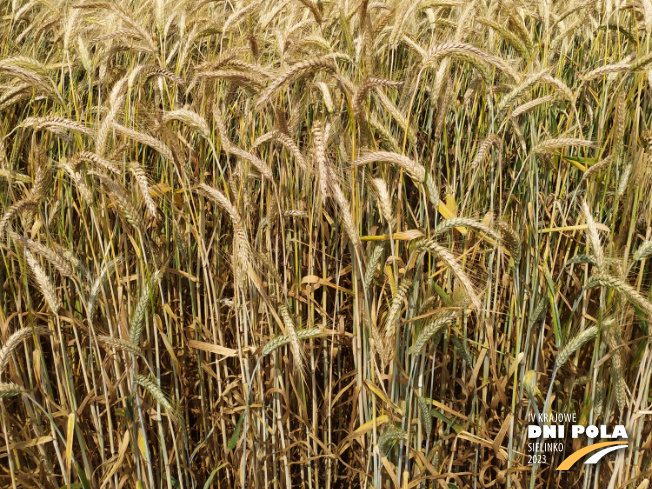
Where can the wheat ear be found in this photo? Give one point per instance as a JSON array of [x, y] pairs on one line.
[[606, 280], [643, 251], [61, 264], [9, 389], [384, 201], [15, 339], [281, 340], [390, 436], [152, 387], [391, 323], [301, 68], [143, 185], [456, 222], [416, 171], [434, 325], [363, 90], [13, 211], [44, 283], [574, 344], [138, 317], [455, 267], [593, 235], [295, 345], [121, 344], [557, 143]]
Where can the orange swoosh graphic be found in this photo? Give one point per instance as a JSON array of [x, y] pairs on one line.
[[574, 457]]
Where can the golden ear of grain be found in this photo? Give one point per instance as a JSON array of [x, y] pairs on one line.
[[363, 90], [16, 339], [618, 371], [122, 198], [222, 201], [55, 259], [393, 315], [9, 389], [44, 283], [607, 70], [558, 143], [236, 76], [643, 251], [193, 119], [594, 237], [464, 222], [53, 122], [301, 68], [42, 182], [143, 185], [398, 116], [526, 83], [416, 171], [111, 166], [600, 165], [605, 280], [13, 211], [372, 264], [145, 139], [120, 344], [31, 71], [511, 239], [291, 333], [79, 180], [286, 141], [458, 48], [384, 201], [532, 104], [483, 150], [228, 147], [329, 182], [619, 122]]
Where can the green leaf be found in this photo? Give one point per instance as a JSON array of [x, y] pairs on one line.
[[82, 477], [236, 434], [210, 477], [441, 293], [194, 452], [450, 422]]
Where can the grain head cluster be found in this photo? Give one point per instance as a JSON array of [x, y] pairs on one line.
[[320, 243]]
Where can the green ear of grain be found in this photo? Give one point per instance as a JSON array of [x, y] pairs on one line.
[[138, 317], [435, 324], [424, 414], [575, 344], [390, 436], [279, 341], [152, 387]]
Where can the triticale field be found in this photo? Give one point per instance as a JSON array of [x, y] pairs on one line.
[[325, 244]]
